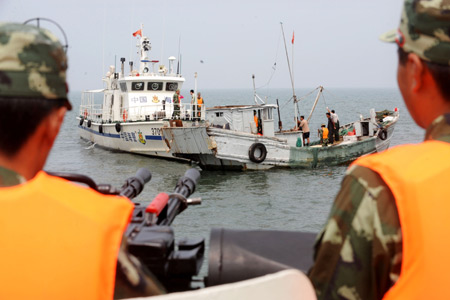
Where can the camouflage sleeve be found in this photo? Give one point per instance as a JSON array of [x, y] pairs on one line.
[[358, 253], [132, 278]]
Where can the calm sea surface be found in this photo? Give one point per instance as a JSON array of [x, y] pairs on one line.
[[282, 199]]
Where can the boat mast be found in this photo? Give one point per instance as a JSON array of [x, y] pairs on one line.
[[292, 78], [254, 89], [194, 109], [256, 97], [315, 102]]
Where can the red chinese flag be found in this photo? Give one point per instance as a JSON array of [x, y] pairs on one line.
[[292, 37], [139, 32]]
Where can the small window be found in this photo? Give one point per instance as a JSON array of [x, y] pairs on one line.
[[219, 114], [123, 86], [155, 86], [137, 86], [171, 86]]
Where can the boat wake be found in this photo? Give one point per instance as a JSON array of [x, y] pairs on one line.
[[91, 146]]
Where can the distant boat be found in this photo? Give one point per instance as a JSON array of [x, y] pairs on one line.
[[130, 111], [231, 141]]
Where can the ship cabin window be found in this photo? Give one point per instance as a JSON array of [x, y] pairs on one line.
[[267, 114], [219, 114], [171, 86], [123, 86], [137, 86], [155, 86]]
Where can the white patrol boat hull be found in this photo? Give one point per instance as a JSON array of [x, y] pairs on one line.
[[140, 137]]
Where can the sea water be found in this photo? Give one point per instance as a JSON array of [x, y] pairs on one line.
[[277, 199]]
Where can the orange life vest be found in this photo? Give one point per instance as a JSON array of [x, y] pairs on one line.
[[256, 121], [324, 133], [59, 240], [200, 102], [418, 176]]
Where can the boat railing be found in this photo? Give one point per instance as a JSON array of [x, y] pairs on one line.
[[158, 111], [91, 112]]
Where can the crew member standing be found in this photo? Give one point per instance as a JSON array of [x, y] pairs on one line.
[[59, 240], [176, 103], [193, 108], [335, 119], [386, 237], [331, 128], [305, 128], [199, 104]]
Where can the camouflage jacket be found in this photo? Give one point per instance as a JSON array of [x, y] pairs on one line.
[[176, 98], [358, 254], [132, 278]]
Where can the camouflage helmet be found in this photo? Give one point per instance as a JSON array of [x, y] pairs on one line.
[[32, 63], [424, 30]]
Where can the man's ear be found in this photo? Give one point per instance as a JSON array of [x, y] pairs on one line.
[[417, 71], [53, 123]]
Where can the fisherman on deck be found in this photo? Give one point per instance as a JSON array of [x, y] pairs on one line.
[[335, 119], [323, 133], [331, 127], [305, 128], [199, 104], [59, 240], [387, 234], [176, 103]]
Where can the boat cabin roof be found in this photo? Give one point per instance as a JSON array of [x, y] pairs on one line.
[[242, 107]]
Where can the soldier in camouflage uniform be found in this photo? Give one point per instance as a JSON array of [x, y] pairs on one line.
[[32, 86], [176, 104], [358, 254]]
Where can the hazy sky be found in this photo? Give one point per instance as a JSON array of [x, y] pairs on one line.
[[336, 42]]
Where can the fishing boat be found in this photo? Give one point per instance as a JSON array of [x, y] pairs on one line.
[[129, 112], [232, 141], [244, 137]]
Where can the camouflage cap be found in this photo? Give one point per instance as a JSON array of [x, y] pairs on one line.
[[424, 30], [32, 63]]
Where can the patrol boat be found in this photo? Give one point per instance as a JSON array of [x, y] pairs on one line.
[[129, 112], [232, 141]]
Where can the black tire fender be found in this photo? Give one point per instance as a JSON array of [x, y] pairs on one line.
[[382, 134], [100, 128], [89, 123], [81, 121], [118, 127], [252, 150]]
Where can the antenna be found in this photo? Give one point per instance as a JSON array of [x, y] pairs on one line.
[[290, 74], [38, 21], [179, 54]]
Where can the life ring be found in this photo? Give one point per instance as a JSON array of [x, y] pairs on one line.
[[81, 121], [382, 134], [100, 128], [118, 127], [125, 115], [261, 155], [89, 123]]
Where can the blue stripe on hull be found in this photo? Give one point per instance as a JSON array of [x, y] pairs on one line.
[[154, 137], [116, 136]]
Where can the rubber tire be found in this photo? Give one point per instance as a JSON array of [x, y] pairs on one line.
[[89, 123], [251, 153], [81, 121], [100, 128], [383, 134], [118, 127]]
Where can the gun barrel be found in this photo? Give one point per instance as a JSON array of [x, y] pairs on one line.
[[185, 187]]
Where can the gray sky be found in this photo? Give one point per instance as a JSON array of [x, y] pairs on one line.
[[336, 42]]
